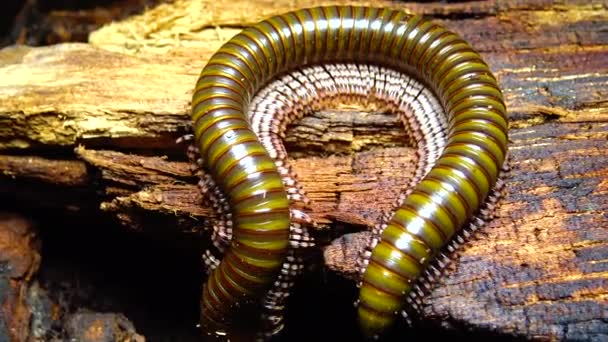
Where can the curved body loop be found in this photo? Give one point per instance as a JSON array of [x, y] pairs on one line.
[[437, 207]]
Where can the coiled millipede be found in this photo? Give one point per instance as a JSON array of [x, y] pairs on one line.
[[452, 110]]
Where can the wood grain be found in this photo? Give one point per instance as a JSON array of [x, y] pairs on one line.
[[110, 118]]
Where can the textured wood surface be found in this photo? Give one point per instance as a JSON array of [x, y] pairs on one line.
[[19, 261], [100, 125]]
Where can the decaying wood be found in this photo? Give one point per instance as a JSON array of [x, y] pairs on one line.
[[27, 313], [43, 23], [538, 270], [19, 261]]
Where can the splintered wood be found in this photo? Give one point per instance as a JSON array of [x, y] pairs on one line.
[[539, 270]]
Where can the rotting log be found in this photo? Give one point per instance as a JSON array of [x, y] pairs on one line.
[[538, 270], [27, 312], [19, 261]]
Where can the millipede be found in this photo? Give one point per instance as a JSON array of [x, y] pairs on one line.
[[289, 65]]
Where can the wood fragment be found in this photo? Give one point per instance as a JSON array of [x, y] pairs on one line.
[[19, 260], [537, 271]]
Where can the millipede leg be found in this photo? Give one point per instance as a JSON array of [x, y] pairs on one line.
[[213, 197], [443, 263]]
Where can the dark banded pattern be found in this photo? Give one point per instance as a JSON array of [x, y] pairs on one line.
[[306, 90], [437, 207]]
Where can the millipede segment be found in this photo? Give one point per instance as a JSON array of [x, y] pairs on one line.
[[463, 136]]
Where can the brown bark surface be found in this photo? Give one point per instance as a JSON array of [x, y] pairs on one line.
[[19, 261], [539, 269]]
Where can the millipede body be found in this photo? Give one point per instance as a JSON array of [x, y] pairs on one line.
[[452, 110]]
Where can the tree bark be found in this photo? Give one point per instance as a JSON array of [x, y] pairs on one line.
[[538, 270]]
